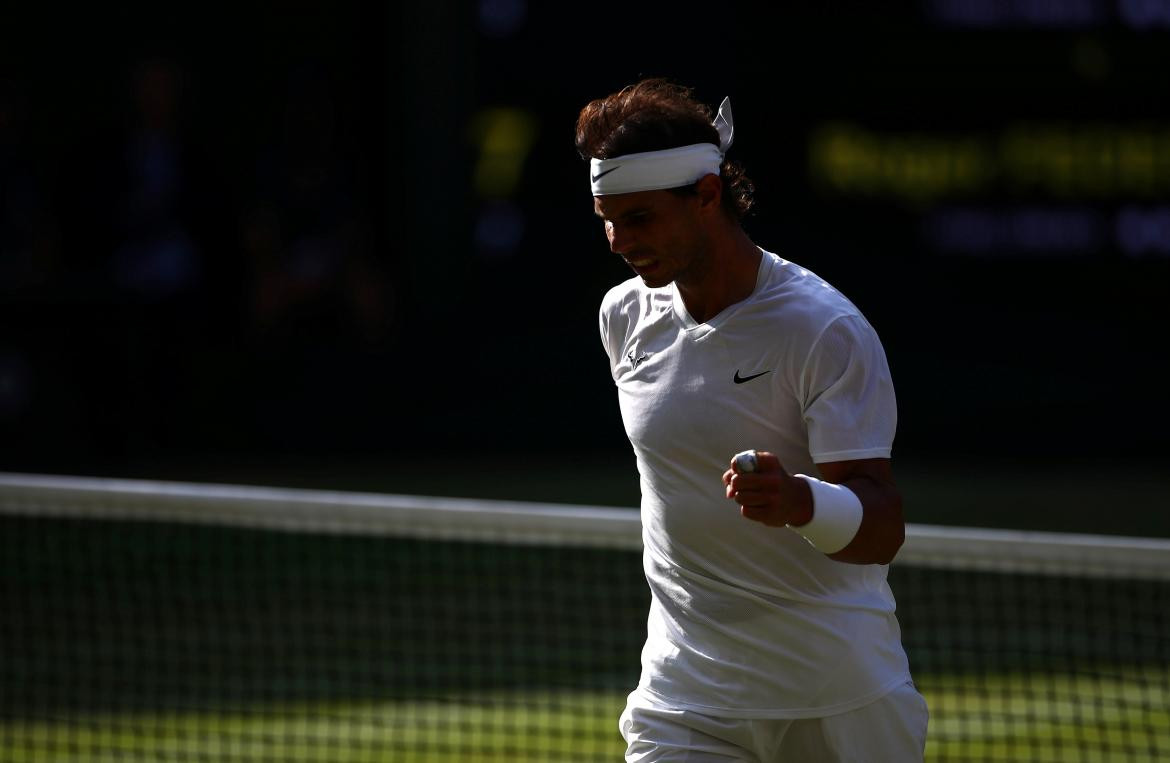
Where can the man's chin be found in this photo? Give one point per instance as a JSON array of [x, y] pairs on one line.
[[655, 282]]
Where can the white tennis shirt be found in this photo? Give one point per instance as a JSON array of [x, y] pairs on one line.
[[747, 620]]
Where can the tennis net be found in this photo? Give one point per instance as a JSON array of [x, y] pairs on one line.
[[168, 621]]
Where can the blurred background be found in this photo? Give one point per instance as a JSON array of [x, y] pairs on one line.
[[351, 246]]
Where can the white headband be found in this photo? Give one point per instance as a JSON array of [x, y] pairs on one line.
[[671, 168]]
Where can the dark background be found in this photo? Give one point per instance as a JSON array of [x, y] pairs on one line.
[[350, 245]]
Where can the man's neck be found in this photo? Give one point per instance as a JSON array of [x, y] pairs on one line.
[[730, 277]]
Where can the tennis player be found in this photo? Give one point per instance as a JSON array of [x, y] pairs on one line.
[[771, 634]]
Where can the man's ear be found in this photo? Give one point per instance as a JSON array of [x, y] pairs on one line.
[[710, 191]]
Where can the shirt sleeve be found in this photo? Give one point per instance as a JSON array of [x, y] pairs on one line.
[[848, 400], [603, 319]]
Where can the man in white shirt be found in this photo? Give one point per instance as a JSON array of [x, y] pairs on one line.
[[771, 634]]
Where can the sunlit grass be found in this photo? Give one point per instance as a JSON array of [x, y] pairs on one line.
[[537, 726], [1114, 716]]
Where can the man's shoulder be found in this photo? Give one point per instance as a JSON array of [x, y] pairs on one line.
[[630, 295], [801, 298]]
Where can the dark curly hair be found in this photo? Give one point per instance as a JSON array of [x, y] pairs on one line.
[[654, 115]]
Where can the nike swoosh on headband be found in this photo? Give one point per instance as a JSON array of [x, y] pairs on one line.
[[600, 175]]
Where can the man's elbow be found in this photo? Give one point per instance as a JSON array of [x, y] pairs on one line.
[[896, 530]]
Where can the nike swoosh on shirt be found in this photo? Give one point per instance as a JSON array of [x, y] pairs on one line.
[[741, 379], [600, 175]]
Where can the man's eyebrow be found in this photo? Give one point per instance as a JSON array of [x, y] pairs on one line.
[[627, 213]]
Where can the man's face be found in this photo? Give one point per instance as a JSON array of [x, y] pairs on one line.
[[656, 233]]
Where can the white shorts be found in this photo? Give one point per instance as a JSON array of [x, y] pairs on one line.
[[888, 730]]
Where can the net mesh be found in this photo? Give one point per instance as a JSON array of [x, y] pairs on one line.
[[148, 621]]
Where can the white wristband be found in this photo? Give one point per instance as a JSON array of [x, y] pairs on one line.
[[836, 516]]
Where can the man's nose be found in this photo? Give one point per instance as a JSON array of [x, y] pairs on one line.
[[619, 239]]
